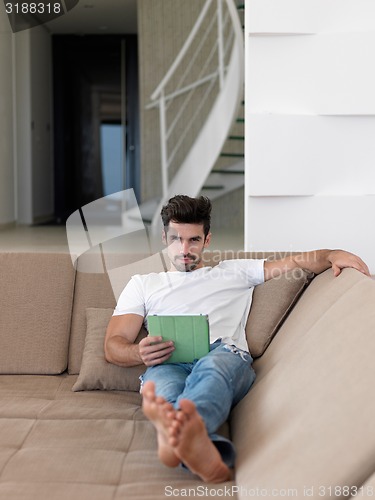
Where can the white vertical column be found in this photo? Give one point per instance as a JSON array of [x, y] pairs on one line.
[[7, 212], [33, 103], [23, 139]]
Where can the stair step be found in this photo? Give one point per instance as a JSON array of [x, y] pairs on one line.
[[220, 186], [230, 182], [236, 137], [232, 155], [227, 171]]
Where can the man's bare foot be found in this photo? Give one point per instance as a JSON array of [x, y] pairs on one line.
[[192, 445], [161, 414]]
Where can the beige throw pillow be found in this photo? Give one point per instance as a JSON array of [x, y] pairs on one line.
[[96, 372], [272, 302]]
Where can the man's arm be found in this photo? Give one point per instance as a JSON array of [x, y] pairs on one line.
[[316, 261], [120, 349]]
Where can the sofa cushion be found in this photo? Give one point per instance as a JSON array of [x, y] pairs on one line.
[[96, 372], [36, 306], [272, 302], [91, 445]]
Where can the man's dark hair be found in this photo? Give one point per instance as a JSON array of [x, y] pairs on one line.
[[186, 210]]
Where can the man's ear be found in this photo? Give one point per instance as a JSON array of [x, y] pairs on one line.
[[207, 240], [164, 237]]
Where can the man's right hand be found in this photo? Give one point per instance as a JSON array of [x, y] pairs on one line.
[[153, 351], [120, 347]]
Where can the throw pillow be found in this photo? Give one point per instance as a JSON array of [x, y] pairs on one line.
[[96, 373], [272, 302]]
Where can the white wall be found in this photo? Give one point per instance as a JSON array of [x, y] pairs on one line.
[[7, 213], [310, 125]]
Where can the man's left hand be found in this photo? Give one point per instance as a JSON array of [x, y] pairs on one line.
[[341, 259]]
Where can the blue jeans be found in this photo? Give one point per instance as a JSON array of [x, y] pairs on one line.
[[215, 383]]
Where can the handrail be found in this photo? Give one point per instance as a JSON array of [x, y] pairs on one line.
[[191, 121], [220, 28], [182, 52]]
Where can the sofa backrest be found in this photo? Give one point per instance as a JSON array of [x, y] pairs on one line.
[[36, 305]]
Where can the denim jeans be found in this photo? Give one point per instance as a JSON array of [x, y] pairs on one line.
[[215, 383]]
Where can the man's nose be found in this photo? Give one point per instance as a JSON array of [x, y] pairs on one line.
[[184, 248]]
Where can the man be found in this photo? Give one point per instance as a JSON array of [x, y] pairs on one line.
[[187, 402]]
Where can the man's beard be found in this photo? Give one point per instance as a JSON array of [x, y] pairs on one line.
[[193, 263]]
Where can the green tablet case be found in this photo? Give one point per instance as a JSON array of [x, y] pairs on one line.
[[190, 335]]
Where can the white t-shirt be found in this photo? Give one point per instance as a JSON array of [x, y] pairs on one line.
[[222, 292]]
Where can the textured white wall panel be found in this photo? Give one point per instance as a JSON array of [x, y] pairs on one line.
[[307, 155], [310, 16], [321, 74]]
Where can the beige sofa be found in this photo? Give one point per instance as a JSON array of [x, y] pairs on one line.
[[71, 425]]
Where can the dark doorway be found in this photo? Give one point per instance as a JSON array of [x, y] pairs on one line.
[[96, 119]]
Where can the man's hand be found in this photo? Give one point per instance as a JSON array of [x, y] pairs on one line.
[[341, 259], [154, 351]]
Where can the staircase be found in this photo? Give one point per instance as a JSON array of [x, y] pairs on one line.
[[214, 162], [228, 172]]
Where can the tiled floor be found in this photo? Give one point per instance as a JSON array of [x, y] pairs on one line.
[[54, 239], [34, 238]]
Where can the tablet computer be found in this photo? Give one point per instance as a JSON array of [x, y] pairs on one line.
[[190, 334]]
